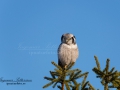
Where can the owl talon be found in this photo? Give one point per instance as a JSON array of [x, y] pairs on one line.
[[65, 66]]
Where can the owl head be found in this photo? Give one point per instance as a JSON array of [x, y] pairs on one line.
[[68, 39]]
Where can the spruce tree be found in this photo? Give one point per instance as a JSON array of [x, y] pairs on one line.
[[109, 78], [67, 77]]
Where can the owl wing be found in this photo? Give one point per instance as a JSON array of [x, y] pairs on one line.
[[64, 55], [74, 53]]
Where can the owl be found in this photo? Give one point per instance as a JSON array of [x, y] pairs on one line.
[[67, 50]]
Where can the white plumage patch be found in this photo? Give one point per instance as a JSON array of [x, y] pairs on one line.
[[67, 53]]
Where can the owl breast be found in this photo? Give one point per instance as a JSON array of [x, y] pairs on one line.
[[67, 53]]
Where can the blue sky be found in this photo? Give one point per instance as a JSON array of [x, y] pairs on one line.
[[30, 33]]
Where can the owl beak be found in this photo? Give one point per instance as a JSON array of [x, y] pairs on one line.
[[68, 39]]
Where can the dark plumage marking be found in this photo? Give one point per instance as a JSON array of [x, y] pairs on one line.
[[62, 38]]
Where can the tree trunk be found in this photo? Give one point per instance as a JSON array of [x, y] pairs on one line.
[[62, 85], [106, 86]]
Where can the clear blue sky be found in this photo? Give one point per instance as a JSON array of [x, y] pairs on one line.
[[30, 32]]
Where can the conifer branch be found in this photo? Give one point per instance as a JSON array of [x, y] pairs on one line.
[[59, 87], [77, 86], [108, 77], [84, 80], [55, 85], [71, 76], [91, 87], [112, 70], [98, 72], [47, 85], [70, 65], [74, 81], [55, 74], [59, 76], [84, 85], [97, 62], [107, 66], [58, 71], [77, 73], [80, 75], [50, 79], [56, 65], [71, 71], [52, 74], [67, 86], [104, 70]]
